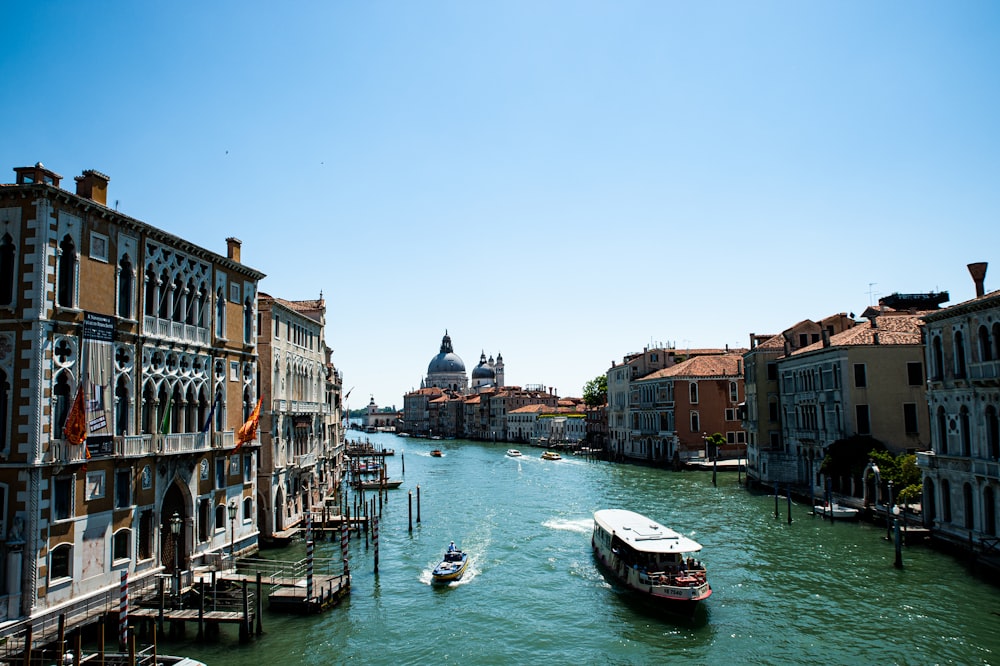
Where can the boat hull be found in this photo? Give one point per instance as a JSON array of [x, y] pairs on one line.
[[836, 512], [450, 570]]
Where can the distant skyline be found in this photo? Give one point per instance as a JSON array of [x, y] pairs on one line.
[[560, 182]]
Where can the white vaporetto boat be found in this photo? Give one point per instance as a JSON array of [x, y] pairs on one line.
[[650, 558]]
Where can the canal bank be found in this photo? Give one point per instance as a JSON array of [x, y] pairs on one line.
[[808, 592]]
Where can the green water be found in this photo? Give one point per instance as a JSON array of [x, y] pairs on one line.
[[807, 593]]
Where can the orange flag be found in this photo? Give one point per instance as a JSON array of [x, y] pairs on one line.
[[75, 428], [248, 431]]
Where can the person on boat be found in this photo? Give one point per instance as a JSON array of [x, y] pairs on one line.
[[451, 547]]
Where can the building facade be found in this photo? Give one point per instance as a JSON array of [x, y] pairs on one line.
[[867, 381], [961, 468], [301, 424], [148, 340]]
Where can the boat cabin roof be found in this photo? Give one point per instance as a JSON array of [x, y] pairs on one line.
[[644, 534]]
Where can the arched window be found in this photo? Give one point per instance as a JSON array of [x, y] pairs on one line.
[[7, 269], [985, 350], [995, 338], [220, 517], [164, 288], [942, 423], [992, 433], [248, 321], [121, 407], [60, 404], [989, 511], [966, 431], [191, 309], [163, 419], [60, 561], [148, 420], [959, 355], [202, 318], [970, 512], [220, 314], [150, 292], [693, 387], [945, 500], [937, 358], [220, 411], [121, 545], [247, 509], [4, 405], [67, 272], [125, 288], [178, 309]]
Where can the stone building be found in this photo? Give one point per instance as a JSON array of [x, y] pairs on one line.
[[961, 468], [147, 339], [301, 426]]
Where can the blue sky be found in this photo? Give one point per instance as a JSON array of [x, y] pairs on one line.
[[560, 182]]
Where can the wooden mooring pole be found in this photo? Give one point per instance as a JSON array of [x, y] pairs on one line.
[[409, 502], [418, 502], [788, 494], [776, 514]]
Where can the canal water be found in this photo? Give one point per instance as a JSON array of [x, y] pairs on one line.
[[806, 593]]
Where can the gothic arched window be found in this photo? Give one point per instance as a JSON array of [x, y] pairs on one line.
[[7, 269], [67, 273], [125, 288]]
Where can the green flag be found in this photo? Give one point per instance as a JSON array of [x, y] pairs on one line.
[[165, 423]]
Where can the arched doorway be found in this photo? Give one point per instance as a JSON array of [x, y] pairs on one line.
[[173, 550], [279, 511]]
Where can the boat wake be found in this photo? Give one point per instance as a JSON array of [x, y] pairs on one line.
[[581, 526]]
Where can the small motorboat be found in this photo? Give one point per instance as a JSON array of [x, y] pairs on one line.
[[378, 484], [551, 455], [835, 511], [452, 567], [436, 453], [513, 453]]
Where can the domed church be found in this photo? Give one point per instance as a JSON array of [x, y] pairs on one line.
[[446, 370], [488, 373]]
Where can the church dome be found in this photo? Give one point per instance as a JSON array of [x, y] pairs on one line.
[[447, 360], [483, 370]]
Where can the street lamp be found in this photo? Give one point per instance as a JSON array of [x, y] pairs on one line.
[[175, 529], [232, 531]]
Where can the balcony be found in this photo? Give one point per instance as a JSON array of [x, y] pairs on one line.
[[174, 330], [297, 407], [986, 372], [61, 452], [188, 442], [989, 469], [305, 460], [135, 446], [932, 460], [224, 440]]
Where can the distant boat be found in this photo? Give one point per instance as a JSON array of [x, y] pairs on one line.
[[836, 511], [513, 453], [376, 484], [551, 455], [452, 567], [436, 453]]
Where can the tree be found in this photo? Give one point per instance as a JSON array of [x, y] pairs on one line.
[[902, 470], [595, 392]]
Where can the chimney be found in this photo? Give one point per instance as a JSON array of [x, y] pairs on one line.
[[978, 272], [826, 338], [233, 248], [875, 337], [93, 185]]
